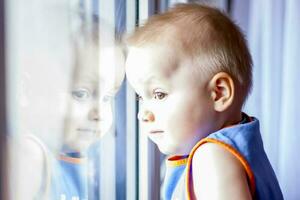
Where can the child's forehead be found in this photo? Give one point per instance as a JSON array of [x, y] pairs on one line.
[[100, 68], [153, 49], [147, 65], [160, 60]]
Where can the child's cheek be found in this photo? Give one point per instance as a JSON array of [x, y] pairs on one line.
[[79, 110], [106, 117]]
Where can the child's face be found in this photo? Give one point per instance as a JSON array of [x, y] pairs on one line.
[[176, 110], [91, 97]]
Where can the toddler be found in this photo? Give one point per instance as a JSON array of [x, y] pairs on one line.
[[63, 173], [192, 71]]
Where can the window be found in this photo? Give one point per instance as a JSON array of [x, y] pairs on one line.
[[58, 54], [52, 48]]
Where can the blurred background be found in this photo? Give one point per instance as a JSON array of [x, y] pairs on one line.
[[36, 69]]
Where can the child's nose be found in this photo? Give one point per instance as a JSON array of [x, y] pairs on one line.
[[146, 116], [93, 114]]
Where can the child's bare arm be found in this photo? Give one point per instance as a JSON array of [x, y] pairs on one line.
[[218, 175], [30, 169]]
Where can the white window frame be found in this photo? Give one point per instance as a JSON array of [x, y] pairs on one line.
[[149, 156]]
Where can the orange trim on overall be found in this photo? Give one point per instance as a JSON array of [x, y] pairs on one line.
[[232, 151], [72, 160], [176, 161]]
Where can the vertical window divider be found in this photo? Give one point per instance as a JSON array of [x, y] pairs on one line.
[[108, 142], [149, 156], [131, 119]]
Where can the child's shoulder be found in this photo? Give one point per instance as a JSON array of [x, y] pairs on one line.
[[31, 159], [218, 173]]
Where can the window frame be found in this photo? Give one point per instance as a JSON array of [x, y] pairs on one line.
[[3, 112]]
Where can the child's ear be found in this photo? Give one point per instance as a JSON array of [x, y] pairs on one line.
[[221, 88]]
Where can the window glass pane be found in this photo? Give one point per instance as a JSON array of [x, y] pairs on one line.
[[66, 102]]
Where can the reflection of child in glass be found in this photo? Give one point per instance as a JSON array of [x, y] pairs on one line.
[[89, 116], [192, 70]]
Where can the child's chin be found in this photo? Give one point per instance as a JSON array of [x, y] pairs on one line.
[[165, 150], [79, 145]]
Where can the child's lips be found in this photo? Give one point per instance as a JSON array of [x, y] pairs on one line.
[[156, 131], [88, 130]]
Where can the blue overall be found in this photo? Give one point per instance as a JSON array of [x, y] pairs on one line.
[[69, 179], [244, 141]]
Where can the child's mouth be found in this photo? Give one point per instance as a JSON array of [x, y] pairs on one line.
[[156, 131], [88, 132]]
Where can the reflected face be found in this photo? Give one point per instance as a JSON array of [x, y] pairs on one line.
[[175, 109], [91, 97]]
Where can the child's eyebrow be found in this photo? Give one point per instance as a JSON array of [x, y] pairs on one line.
[[147, 84], [149, 80]]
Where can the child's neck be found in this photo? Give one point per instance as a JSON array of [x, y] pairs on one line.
[[232, 119], [71, 152]]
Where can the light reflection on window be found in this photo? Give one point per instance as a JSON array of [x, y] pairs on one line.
[[65, 68]]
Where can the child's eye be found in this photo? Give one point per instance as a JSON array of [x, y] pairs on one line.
[[159, 95], [81, 94], [139, 98], [107, 98]]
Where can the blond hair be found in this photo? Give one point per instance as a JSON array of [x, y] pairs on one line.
[[206, 36]]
